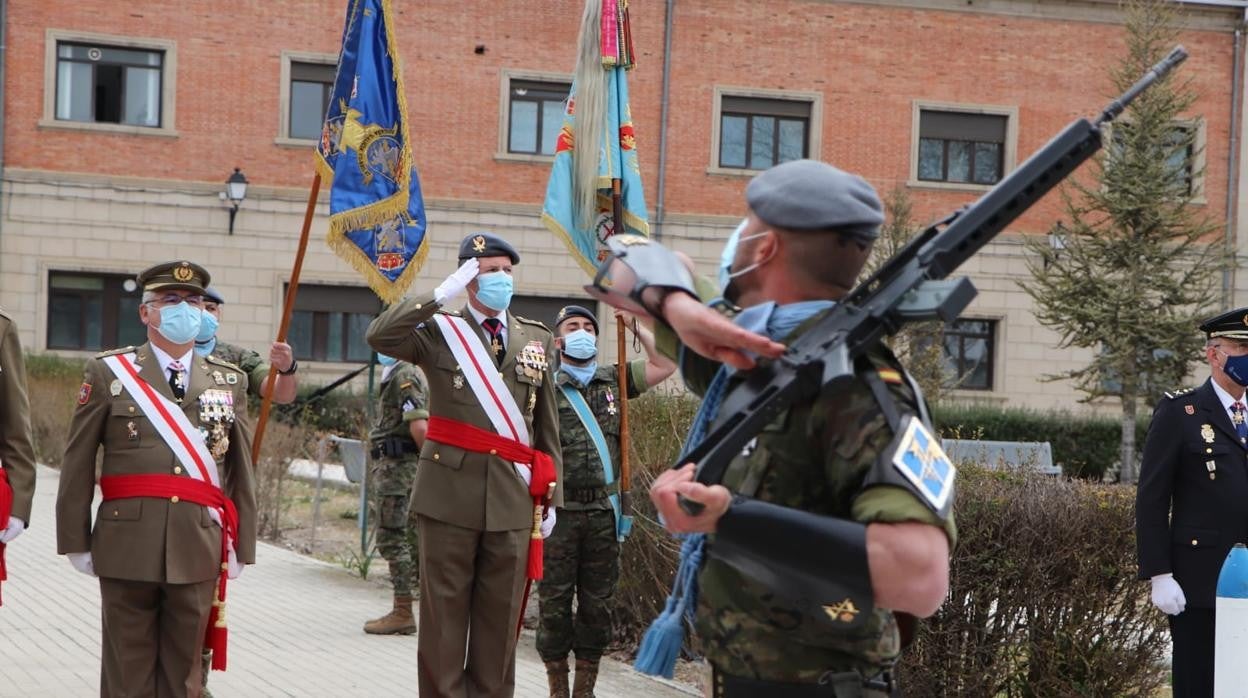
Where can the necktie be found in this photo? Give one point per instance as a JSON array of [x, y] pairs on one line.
[[176, 382], [494, 327], [1241, 424]]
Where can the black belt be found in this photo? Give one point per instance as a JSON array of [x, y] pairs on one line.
[[848, 684], [584, 495], [394, 447]]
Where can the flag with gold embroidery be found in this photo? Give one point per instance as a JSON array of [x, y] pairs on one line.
[[597, 143], [376, 211]]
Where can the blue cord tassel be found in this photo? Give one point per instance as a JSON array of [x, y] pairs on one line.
[[661, 645]]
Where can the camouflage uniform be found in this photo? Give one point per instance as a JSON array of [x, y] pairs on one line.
[[249, 361], [403, 398], [813, 457], [582, 556]]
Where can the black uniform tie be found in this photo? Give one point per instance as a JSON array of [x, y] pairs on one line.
[[494, 327], [176, 384]]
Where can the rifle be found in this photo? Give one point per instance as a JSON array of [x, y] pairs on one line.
[[910, 287]]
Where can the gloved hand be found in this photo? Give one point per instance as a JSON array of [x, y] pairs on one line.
[[457, 281], [548, 523], [1168, 595], [82, 562], [16, 526], [234, 568]]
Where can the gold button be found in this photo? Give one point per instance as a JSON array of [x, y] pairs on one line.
[[225, 566], [418, 306], [500, 374], [1194, 541], [493, 451], [1208, 450], [436, 455], [132, 409], [174, 499], [116, 513], [177, 470]]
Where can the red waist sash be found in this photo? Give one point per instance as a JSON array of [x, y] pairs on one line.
[[541, 470], [6, 508], [197, 492]]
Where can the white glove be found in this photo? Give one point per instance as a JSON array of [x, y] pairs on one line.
[[16, 526], [457, 281], [548, 522], [524, 473], [1168, 595], [233, 567], [82, 562]]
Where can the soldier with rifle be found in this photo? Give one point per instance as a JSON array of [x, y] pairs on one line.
[[818, 501]]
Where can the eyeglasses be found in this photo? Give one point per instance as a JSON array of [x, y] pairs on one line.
[[174, 299]]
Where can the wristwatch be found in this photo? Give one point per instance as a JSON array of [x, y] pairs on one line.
[[294, 366]]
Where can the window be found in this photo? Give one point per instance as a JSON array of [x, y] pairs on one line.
[[1179, 151], [969, 346], [92, 312], [329, 322], [535, 115], [961, 147], [105, 84], [756, 133], [311, 85]]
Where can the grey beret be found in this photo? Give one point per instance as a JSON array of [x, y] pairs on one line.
[[811, 195], [487, 245]]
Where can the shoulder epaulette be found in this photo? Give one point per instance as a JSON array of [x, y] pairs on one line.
[[535, 323], [218, 361], [114, 352], [446, 311], [1177, 393], [5, 314]]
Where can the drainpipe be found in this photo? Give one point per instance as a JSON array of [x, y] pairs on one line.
[[1232, 170], [659, 209]]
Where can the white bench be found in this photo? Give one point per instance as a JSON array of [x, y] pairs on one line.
[[1026, 455]]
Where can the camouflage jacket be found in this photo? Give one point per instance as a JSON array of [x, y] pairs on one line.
[[813, 457], [582, 467], [402, 398], [247, 360]]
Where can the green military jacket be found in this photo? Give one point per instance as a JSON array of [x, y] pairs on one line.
[[813, 457], [249, 361], [402, 398], [582, 466], [17, 451]]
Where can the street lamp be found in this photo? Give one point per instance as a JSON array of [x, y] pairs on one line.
[[1057, 243], [235, 192]]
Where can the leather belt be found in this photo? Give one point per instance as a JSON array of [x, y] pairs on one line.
[[393, 447], [585, 495], [848, 684]]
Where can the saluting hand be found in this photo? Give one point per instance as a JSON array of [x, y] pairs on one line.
[[281, 356], [457, 281], [714, 498], [714, 336]]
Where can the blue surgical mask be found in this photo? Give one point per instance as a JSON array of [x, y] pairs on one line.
[[726, 258], [205, 348], [207, 328], [179, 323], [581, 374], [386, 360], [494, 290], [580, 345], [1237, 368]]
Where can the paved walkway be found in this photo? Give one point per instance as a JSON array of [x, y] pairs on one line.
[[294, 630]]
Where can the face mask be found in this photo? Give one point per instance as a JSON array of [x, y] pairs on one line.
[[1236, 367], [494, 290], [207, 328], [726, 258], [580, 345], [179, 323], [205, 348], [581, 374], [386, 360]]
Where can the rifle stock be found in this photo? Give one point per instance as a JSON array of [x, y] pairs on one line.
[[910, 287]]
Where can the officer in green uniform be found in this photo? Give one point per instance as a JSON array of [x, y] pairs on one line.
[[280, 355], [397, 435], [582, 555], [17, 451], [833, 527]]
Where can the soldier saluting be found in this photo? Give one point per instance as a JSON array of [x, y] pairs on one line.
[[178, 515]]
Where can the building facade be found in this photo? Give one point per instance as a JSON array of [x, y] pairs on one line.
[[122, 122]]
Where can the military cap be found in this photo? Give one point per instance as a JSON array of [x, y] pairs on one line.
[[1232, 324], [569, 311], [487, 245], [180, 275], [807, 195], [212, 294]]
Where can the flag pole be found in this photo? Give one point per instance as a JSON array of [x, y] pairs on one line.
[[626, 498], [267, 402]]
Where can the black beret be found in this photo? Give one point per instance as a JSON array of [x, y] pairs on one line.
[[568, 311], [212, 294], [809, 195], [487, 245], [180, 275], [1232, 324]]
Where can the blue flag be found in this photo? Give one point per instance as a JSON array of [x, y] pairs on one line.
[[604, 116], [376, 211]]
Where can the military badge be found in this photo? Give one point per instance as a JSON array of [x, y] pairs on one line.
[[231, 378], [611, 409], [132, 431], [457, 382], [921, 460], [114, 388], [84, 393], [1190, 409], [183, 272], [843, 612], [478, 243], [218, 378], [1206, 433], [532, 400], [1212, 468]]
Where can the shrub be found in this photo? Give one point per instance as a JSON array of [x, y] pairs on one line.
[[53, 383], [1085, 446]]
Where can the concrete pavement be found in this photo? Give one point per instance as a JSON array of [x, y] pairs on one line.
[[294, 630]]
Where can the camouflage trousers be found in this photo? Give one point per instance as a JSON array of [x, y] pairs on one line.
[[581, 558], [390, 489]]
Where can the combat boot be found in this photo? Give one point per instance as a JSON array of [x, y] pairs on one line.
[[586, 677], [557, 677], [399, 621]]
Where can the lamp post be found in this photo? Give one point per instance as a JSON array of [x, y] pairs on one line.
[[1057, 242], [235, 192]]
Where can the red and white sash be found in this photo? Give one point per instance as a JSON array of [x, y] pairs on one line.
[[486, 382], [182, 437]]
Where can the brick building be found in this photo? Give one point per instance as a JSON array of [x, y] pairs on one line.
[[122, 122]]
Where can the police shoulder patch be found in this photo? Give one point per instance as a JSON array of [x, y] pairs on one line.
[[919, 458], [1178, 392]]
